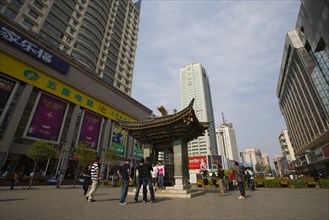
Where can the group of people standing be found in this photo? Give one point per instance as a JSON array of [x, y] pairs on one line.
[[236, 179], [144, 171]]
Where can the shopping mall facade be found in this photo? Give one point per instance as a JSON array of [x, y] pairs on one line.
[[47, 95]]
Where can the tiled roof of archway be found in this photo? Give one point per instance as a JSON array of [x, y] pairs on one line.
[[181, 125]]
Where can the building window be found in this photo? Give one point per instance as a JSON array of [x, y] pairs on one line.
[[33, 14], [38, 5], [10, 14], [27, 24], [18, 4]]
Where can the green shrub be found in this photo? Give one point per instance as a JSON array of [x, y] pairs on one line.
[[272, 183], [324, 183], [259, 182], [299, 183]]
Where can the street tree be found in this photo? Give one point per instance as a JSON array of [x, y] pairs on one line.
[[40, 150], [110, 159], [86, 156]]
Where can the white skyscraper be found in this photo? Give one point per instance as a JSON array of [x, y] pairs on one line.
[[226, 142], [195, 84]]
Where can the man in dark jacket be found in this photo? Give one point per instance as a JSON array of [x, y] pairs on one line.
[[124, 174], [240, 180], [147, 180], [139, 178]]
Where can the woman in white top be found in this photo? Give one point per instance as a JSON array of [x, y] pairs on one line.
[[154, 174]]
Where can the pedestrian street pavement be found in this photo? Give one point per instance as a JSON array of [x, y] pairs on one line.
[[49, 202]]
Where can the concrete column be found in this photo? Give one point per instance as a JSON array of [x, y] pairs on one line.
[[181, 173], [130, 147], [69, 136], [106, 141], [107, 135], [8, 136], [147, 150], [73, 121]]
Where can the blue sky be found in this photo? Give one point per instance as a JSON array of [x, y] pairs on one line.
[[239, 43]]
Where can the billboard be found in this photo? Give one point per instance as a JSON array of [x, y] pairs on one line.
[[138, 150], [90, 130], [47, 120], [6, 90], [198, 163], [119, 140]]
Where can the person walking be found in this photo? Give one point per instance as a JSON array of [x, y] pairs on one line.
[[86, 179], [139, 178], [240, 180], [94, 173], [147, 180], [161, 174], [13, 180], [124, 174], [220, 179]]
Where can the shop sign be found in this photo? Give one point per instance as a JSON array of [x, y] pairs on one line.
[[23, 43]]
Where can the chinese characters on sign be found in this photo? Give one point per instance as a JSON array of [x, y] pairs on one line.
[[29, 46]]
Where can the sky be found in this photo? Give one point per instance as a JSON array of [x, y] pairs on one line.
[[239, 43]]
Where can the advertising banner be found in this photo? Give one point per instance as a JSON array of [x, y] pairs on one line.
[[47, 119], [32, 48], [90, 130], [6, 88], [119, 139], [198, 163], [138, 150]]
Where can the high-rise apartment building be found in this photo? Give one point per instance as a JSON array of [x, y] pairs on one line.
[[303, 86], [226, 142], [286, 147], [195, 85], [50, 52], [101, 35]]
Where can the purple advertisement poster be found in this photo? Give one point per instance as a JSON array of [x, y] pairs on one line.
[[6, 87], [90, 129], [47, 119]]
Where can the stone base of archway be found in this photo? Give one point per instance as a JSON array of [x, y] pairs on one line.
[[171, 192]]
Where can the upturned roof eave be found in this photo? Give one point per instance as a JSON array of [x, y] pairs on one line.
[[158, 121]]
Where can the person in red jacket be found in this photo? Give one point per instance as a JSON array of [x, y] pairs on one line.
[[231, 181]]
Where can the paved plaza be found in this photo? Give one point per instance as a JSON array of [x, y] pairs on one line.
[[48, 202]]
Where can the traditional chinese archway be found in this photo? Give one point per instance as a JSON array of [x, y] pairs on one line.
[[169, 135]]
